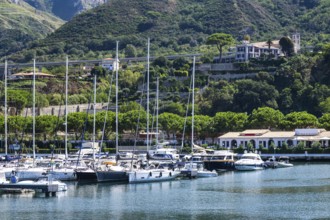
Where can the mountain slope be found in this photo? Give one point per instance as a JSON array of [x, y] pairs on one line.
[[180, 26], [64, 9], [21, 23]]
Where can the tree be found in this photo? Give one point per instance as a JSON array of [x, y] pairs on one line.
[[98, 71], [220, 40], [287, 46], [295, 120], [130, 51], [269, 43], [265, 117], [170, 123], [230, 121]]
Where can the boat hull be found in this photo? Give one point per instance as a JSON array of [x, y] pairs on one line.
[[145, 176], [86, 176], [219, 165], [249, 167], [111, 176]]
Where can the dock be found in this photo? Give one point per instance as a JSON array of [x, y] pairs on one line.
[[48, 189]]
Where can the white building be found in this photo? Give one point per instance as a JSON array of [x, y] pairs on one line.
[[248, 50], [245, 51], [110, 64], [265, 138]]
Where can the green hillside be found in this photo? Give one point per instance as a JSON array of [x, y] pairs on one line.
[[21, 23], [181, 26]]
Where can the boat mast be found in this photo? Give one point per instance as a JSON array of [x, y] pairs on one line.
[[117, 67], [6, 111], [66, 107], [192, 107], [157, 110], [94, 115], [148, 57], [34, 112]]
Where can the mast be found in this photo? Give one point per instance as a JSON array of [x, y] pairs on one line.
[[157, 111], [148, 57], [94, 115], [34, 112], [6, 111], [192, 107], [66, 107], [117, 67]]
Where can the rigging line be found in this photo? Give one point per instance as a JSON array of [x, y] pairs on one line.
[[56, 128], [138, 122], [106, 115], [185, 119], [84, 129]]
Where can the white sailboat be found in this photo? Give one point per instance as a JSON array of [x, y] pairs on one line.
[[150, 175], [113, 173], [191, 169], [35, 172]]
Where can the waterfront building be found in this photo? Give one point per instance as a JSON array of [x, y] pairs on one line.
[[267, 138]]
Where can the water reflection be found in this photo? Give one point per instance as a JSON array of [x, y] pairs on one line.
[[301, 192]]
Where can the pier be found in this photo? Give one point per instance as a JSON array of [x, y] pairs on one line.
[[48, 189]]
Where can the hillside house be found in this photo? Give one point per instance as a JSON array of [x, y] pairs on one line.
[[110, 64]]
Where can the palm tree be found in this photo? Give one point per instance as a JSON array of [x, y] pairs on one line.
[[269, 43]]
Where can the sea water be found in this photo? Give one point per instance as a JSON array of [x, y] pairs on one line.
[[299, 192]]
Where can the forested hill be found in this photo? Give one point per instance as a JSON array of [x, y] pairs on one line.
[[177, 26], [20, 24]]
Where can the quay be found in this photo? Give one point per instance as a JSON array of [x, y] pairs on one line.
[[48, 189], [299, 157]]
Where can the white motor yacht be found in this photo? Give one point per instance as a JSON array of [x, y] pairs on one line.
[[250, 161]]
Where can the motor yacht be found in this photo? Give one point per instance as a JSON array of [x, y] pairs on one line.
[[250, 161]]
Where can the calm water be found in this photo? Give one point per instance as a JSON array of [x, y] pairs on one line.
[[300, 192]]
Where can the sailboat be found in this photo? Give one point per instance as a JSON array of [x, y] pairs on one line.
[[191, 169], [113, 173], [160, 153], [35, 172], [155, 174]]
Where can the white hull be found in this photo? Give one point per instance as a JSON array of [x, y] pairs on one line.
[[61, 186], [284, 165], [64, 174], [206, 173], [31, 173], [249, 167], [144, 176], [36, 173]]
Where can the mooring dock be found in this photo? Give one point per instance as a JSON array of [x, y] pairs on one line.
[[48, 189]]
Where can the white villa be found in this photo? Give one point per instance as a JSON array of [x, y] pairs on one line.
[[110, 64], [245, 51], [265, 138]]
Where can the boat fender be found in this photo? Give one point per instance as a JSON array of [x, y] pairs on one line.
[[160, 174], [150, 174], [170, 174]]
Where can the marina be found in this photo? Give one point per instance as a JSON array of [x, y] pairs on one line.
[[300, 192]]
